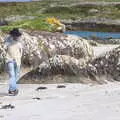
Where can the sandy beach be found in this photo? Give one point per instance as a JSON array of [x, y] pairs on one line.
[[75, 102]]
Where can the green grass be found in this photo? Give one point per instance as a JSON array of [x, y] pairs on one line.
[[79, 11], [49, 8], [36, 24]]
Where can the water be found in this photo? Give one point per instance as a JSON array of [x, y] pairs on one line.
[[100, 35]]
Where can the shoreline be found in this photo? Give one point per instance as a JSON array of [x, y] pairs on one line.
[[93, 25]]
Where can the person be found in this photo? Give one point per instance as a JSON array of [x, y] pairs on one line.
[[14, 51]]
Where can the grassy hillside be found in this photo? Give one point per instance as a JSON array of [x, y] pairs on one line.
[[35, 24], [33, 8], [65, 9]]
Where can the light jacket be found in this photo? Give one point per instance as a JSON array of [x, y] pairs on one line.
[[14, 50]]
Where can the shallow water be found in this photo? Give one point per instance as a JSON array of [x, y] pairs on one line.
[[100, 35]]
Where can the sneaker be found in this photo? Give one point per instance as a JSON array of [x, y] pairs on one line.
[[13, 93]]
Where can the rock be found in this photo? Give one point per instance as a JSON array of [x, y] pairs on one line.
[[114, 41], [7, 107], [41, 88], [108, 65], [2, 52], [93, 43], [31, 53], [43, 47], [59, 64], [93, 10], [61, 28], [37, 98], [61, 86], [99, 70], [14, 18], [94, 24]]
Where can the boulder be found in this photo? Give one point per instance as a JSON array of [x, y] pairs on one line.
[[62, 68], [40, 46]]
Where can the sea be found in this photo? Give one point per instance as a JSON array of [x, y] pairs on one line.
[[100, 35]]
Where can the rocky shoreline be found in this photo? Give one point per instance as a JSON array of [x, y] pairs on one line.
[[104, 25]]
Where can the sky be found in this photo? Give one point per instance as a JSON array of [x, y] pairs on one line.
[[14, 0]]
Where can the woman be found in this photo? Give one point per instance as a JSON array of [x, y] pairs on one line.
[[13, 59]]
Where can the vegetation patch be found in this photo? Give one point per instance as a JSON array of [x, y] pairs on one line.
[[65, 9], [36, 24]]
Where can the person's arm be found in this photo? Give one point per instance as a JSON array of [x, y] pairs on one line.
[[7, 43]]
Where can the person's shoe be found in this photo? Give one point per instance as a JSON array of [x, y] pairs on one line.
[[13, 93]]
